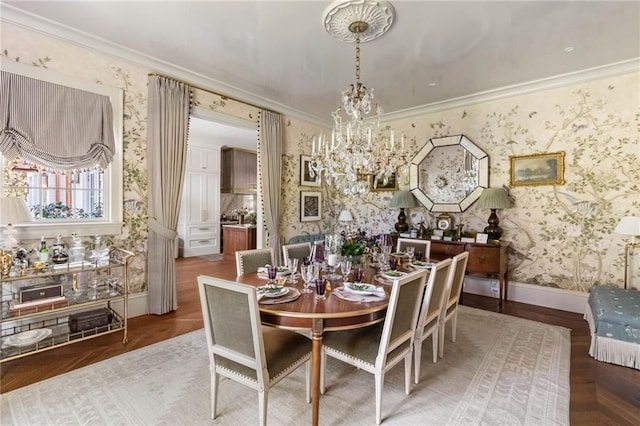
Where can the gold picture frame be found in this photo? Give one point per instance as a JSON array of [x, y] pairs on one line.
[[537, 169], [392, 184]]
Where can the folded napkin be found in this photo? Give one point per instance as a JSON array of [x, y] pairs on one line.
[[344, 294]]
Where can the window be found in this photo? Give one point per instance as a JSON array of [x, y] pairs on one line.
[[87, 200]]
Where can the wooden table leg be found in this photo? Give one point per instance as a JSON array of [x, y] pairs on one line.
[[316, 352]]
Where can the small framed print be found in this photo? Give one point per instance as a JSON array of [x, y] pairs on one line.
[[537, 169], [392, 184], [305, 173], [482, 238], [310, 206]]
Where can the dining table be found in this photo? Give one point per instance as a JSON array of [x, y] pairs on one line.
[[307, 313]]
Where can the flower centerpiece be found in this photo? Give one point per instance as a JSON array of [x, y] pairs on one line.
[[357, 244], [241, 213]]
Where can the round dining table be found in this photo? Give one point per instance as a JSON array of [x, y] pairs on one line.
[[307, 313]]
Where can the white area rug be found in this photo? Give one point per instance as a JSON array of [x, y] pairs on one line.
[[502, 370]]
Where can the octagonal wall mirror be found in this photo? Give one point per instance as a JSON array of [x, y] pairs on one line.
[[448, 174]]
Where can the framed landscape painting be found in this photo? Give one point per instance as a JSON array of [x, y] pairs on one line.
[[537, 169], [305, 175], [392, 184], [310, 206]]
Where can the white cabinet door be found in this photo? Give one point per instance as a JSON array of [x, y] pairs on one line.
[[202, 195], [203, 159]]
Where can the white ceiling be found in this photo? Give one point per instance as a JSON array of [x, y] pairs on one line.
[[278, 55]]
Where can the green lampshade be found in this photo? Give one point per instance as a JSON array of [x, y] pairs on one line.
[[403, 199], [494, 198]]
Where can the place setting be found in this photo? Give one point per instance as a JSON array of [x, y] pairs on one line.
[[357, 291], [275, 291]]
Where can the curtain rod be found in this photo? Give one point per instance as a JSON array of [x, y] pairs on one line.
[[209, 91]]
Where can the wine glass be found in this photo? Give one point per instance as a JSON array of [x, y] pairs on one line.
[[292, 265], [357, 275], [306, 272], [272, 271], [418, 255], [345, 267], [410, 252]]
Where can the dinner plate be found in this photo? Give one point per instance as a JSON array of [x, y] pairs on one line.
[[28, 338], [359, 288], [394, 274], [422, 265], [268, 291]]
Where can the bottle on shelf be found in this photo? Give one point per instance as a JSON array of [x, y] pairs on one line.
[[43, 251], [58, 251]]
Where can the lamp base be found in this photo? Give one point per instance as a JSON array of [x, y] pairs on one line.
[[493, 231], [402, 225]]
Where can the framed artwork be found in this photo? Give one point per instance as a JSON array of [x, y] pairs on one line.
[[310, 206], [305, 175], [392, 184], [537, 169]]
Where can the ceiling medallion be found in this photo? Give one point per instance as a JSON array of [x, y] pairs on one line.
[[360, 149]]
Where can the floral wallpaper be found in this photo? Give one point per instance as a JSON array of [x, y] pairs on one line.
[[562, 236]]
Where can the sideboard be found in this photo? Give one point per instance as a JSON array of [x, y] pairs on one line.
[[484, 259]]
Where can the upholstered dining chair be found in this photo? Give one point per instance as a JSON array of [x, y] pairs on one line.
[[248, 261], [243, 350], [297, 251], [420, 245], [430, 310], [452, 298], [378, 348]]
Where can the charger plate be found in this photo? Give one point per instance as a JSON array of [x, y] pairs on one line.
[[291, 295]]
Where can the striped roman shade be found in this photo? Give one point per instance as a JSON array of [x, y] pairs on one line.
[[55, 126]]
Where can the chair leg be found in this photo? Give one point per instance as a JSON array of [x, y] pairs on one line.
[[379, 379], [441, 329], [434, 343], [454, 325], [215, 382], [307, 369], [407, 373], [417, 357], [323, 365], [262, 406]]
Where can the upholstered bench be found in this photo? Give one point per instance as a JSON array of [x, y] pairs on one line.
[[306, 238], [613, 315]]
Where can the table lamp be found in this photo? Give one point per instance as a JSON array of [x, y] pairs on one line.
[[403, 200], [13, 210], [494, 198], [629, 225], [345, 218]]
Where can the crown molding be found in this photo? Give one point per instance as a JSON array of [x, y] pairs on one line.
[[56, 30], [610, 70], [53, 29]]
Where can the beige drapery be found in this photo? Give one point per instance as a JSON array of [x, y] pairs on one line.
[[168, 121], [270, 171]]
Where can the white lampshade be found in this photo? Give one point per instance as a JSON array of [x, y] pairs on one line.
[[345, 216], [629, 225], [13, 210]]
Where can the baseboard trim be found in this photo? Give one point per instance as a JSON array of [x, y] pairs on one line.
[[138, 305], [549, 297]]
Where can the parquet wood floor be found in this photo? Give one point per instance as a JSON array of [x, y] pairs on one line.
[[601, 394]]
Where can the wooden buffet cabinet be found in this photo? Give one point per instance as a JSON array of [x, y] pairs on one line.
[[238, 237], [484, 259]]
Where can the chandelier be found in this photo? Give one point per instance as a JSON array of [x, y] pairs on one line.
[[360, 149]]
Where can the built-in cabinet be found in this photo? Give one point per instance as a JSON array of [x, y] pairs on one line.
[[199, 222], [239, 171]]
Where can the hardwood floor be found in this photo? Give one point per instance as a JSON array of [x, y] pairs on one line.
[[601, 394]]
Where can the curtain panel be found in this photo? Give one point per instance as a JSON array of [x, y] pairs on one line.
[[55, 126], [270, 171], [168, 121]]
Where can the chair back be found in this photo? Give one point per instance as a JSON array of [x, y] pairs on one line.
[[232, 326], [400, 321], [420, 245], [434, 294], [296, 251], [455, 280], [248, 261]]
